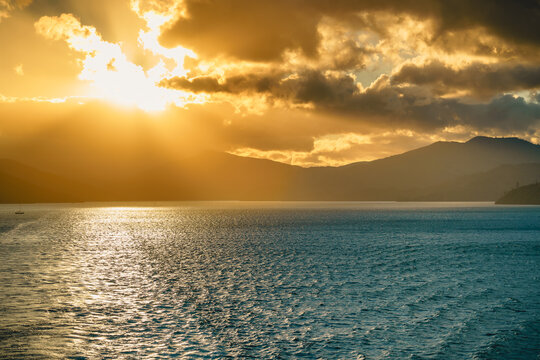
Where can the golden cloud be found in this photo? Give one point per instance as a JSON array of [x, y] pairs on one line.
[[112, 75], [7, 6]]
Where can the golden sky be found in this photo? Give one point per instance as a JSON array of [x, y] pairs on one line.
[[306, 82]]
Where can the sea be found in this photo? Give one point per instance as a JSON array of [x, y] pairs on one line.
[[270, 280]]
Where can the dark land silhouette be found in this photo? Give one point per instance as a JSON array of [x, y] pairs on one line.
[[523, 195], [481, 169]]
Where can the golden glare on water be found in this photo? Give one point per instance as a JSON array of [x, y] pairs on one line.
[[238, 280]]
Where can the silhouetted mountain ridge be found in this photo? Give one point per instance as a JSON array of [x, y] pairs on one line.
[[403, 175], [486, 140], [479, 169]]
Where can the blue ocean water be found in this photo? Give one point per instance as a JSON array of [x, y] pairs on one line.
[[270, 281]]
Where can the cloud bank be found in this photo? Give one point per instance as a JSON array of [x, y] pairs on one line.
[[309, 82]]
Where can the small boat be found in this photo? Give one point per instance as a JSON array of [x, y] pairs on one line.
[[19, 211]]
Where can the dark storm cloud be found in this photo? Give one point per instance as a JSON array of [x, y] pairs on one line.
[[233, 85], [262, 30], [256, 30], [507, 113], [414, 108], [399, 108], [383, 104], [306, 87], [480, 80]]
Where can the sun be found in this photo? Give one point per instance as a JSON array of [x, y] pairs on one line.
[[126, 84], [111, 75]]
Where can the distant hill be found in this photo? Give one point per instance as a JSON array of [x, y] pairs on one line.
[[443, 160], [481, 186], [23, 184], [480, 169], [420, 174], [524, 195]]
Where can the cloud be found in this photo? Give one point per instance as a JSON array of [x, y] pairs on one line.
[[289, 135], [114, 19], [344, 148], [383, 104], [307, 87], [7, 6], [331, 49], [416, 109], [19, 70], [506, 113], [476, 79], [112, 75], [262, 31], [308, 82], [333, 150], [251, 30], [68, 27], [168, 8]]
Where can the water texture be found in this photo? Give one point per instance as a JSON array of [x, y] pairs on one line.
[[270, 281]]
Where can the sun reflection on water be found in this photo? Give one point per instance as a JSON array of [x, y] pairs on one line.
[[266, 282]]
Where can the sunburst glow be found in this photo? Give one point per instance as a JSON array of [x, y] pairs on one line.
[[298, 82], [111, 75]]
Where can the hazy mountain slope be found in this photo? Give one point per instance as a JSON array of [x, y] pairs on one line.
[[222, 176], [413, 173], [482, 186], [218, 176], [443, 160], [20, 183], [442, 171]]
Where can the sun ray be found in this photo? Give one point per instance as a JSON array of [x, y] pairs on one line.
[[111, 75]]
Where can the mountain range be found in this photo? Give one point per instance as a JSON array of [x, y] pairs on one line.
[[481, 169]]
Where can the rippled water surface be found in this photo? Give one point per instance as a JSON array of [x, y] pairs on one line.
[[270, 280]]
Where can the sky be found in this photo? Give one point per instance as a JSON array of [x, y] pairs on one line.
[[304, 82]]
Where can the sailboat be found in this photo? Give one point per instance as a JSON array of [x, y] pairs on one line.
[[19, 211]]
